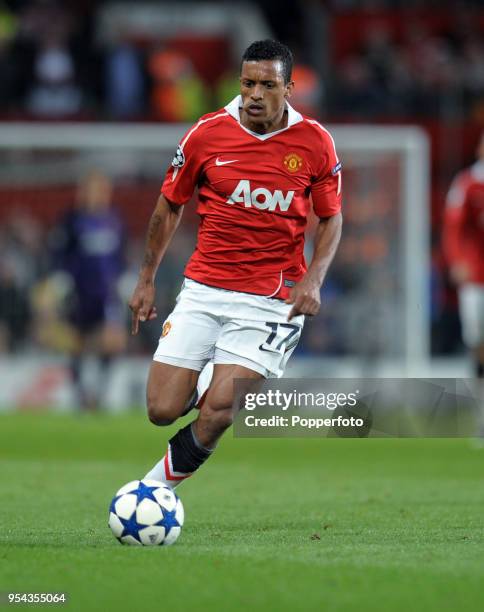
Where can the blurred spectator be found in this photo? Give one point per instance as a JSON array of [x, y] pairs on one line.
[[88, 246], [21, 243], [21, 260], [124, 82], [54, 91], [307, 95], [178, 93], [228, 86], [8, 26], [14, 309]]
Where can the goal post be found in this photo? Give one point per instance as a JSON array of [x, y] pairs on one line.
[[411, 198]]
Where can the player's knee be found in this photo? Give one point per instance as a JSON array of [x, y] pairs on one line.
[[160, 414], [159, 418]]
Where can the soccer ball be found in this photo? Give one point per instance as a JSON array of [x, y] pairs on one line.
[[146, 513]]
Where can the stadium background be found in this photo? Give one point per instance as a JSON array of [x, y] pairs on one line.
[[380, 63], [271, 524]]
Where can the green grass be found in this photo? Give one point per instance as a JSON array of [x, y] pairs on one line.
[[270, 524]]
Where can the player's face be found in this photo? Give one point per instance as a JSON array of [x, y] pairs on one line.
[[264, 93]]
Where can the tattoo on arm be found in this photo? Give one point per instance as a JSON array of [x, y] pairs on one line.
[[162, 224], [154, 226], [148, 259]]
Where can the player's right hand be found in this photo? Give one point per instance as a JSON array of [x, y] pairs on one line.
[[459, 273], [142, 304]]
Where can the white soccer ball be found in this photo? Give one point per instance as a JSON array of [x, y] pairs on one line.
[[146, 513]]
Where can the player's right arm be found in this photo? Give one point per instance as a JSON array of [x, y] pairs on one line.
[[162, 226], [177, 189], [454, 232]]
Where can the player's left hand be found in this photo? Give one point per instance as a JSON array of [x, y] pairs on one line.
[[305, 298], [459, 274]]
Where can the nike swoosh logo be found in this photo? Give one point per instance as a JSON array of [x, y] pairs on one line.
[[219, 162]]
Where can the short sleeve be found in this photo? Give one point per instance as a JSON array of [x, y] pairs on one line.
[[326, 186], [457, 195], [453, 236], [184, 173]]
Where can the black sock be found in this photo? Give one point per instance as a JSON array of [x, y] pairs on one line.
[[479, 369], [187, 454]]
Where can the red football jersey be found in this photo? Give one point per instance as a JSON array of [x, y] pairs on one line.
[[464, 221], [254, 198]]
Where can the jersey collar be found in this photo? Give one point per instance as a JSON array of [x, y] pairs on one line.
[[233, 109]]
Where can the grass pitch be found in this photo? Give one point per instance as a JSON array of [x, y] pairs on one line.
[[270, 524]]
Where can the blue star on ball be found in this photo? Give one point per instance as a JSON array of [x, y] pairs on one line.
[[131, 527], [168, 521], [144, 492]]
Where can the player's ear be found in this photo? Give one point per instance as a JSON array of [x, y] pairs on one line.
[[289, 88]]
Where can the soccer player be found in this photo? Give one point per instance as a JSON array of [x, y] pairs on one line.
[[88, 245], [259, 165], [464, 248]]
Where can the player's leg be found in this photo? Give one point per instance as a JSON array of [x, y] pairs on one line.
[[251, 349], [81, 320], [186, 346], [245, 345], [217, 412], [75, 367], [471, 307], [192, 445], [110, 342], [168, 391]]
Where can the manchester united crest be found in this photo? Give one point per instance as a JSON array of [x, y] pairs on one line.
[[292, 162]]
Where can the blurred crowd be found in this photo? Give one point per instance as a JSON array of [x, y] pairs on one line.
[[424, 74], [55, 63]]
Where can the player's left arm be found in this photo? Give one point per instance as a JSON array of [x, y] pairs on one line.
[[305, 296], [455, 224], [326, 197]]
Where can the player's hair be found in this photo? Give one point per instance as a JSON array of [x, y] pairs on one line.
[[270, 50]]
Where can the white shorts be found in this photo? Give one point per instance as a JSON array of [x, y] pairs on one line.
[[471, 307], [212, 324]]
